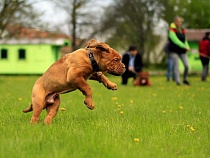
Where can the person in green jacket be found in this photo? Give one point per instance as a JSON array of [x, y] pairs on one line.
[[178, 46]]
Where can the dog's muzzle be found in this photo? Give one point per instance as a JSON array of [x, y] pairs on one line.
[[118, 70]]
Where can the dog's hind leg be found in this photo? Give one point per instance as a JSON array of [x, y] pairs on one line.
[[36, 113], [52, 110], [39, 103]]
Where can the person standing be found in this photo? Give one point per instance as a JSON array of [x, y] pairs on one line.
[[178, 46], [204, 52], [133, 64]]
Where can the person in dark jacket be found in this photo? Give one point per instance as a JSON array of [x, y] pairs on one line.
[[133, 64], [204, 52], [177, 49]]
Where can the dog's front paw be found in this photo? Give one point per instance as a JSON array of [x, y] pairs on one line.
[[111, 85], [89, 103]]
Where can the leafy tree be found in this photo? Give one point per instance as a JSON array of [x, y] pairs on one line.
[[16, 13], [195, 12], [81, 20], [132, 22]]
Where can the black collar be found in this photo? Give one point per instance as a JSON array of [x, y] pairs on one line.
[[93, 62]]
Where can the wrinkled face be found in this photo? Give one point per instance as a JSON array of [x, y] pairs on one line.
[[113, 62]]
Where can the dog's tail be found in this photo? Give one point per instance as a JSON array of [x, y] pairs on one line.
[[28, 109]]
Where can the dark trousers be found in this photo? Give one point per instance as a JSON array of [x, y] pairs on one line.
[[205, 64], [126, 76]]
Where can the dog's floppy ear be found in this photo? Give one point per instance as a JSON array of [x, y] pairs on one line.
[[92, 44], [98, 45], [103, 47]]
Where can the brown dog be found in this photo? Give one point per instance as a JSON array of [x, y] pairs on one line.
[[70, 73], [142, 79]]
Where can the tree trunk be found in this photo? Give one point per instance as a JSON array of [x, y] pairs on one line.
[[74, 17]]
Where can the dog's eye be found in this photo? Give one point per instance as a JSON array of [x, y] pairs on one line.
[[115, 60]]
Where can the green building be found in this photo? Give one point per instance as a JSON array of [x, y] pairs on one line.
[[29, 56], [193, 58]]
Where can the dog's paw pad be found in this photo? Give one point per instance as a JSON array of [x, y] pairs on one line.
[[91, 107], [114, 88], [111, 85]]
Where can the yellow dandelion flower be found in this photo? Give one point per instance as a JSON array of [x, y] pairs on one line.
[[114, 98], [121, 112], [63, 109], [131, 101], [118, 109], [119, 105], [163, 111], [188, 125], [181, 107], [136, 140], [192, 129], [20, 99]]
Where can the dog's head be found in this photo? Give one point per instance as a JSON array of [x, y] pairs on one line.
[[142, 79], [108, 59], [144, 75]]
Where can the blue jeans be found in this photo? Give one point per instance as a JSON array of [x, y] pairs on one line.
[[175, 59], [170, 68]]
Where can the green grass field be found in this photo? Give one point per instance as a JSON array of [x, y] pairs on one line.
[[162, 121]]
